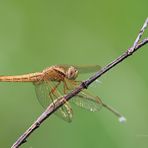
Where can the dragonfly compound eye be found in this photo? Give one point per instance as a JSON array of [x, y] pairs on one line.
[[72, 73]]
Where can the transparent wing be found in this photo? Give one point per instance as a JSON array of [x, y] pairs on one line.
[[84, 68], [87, 101], [47, 92], [88, 68], [84, 99], [65, 112], [42, 90]]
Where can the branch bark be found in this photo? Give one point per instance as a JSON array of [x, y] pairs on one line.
[[60, 101]]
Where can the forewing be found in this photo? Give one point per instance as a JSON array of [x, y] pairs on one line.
[[84, 68], [42, 90], [88, 68], [46, 96]]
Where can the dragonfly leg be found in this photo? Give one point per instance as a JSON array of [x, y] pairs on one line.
[[65, 87], [54, 88], [52, 92], [56, 94], [52, 100], [76, 82], [70, 87]]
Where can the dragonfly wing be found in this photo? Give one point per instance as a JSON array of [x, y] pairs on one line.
[[84, 68], [47, 92], [84, 99], [88, 68], [87, 101], [65, 112], [42, 90]]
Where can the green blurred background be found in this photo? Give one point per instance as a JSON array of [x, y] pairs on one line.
[[36, 34]]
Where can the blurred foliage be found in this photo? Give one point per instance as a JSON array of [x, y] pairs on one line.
[[36, 34]]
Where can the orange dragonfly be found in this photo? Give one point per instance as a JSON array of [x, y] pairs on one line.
[[56, 81]]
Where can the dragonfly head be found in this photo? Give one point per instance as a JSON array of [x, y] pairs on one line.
[[72, 73]]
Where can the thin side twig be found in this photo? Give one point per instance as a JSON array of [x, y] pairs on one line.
[[60, 101], [139, 36]]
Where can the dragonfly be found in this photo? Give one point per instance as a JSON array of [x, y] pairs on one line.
[[58, 80]]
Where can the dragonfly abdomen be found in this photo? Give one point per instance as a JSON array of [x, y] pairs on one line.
[[32, 77]]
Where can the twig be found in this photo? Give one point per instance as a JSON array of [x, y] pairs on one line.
[[139, 36], [60, 101]]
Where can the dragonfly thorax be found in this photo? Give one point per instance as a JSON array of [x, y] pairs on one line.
[[71, 73], [58, 73]]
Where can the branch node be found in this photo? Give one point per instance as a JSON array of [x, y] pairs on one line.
[[38, 124], [84, 85], [130, 51]]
